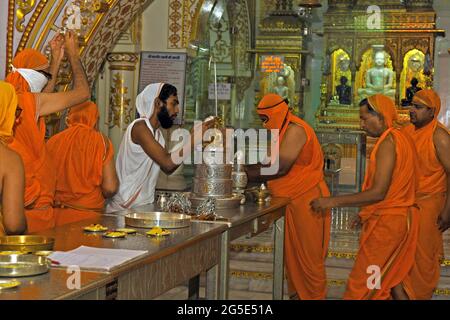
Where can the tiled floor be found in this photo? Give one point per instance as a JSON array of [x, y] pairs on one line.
[[251, 263]]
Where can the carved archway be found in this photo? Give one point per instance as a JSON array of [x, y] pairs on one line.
[[31, 24]]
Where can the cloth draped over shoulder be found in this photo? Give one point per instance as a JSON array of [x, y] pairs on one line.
[[8, 105], [307, 233], [430, 196], [79, 153], [390, 227], [307, 171], [29, 142], [137, 172], [26, 59]]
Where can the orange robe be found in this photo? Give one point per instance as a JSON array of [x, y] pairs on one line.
[[390, 227], [27, 59], [8, 105], [431, 197], [79, 153], [40, 178], [307, 233]]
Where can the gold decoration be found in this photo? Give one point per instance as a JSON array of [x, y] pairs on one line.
[[183, 15], [24, 8], [120, 113], [10, 34], [413, 63]]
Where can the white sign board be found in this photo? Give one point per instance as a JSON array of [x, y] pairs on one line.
[[223, 91], [164, 67]]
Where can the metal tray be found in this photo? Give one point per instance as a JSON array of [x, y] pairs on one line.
[[23, 266], [26, 243], [165, 220], [221, 203]]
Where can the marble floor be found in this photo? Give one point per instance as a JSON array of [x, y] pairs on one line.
[[251, 263]]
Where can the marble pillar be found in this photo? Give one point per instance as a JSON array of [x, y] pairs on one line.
[[442, 59], [122, 111]]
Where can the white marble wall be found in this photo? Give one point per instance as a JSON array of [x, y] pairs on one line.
[[314, 63], [3, 33], [442, 59]]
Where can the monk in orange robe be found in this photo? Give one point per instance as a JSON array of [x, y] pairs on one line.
[[389, 217], [29, 134], [12, 178], [432, 141], [84, 165], [300, 177]]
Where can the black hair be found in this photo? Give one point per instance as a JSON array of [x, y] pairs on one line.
[[365, 102], [167, 91], [414, 81]]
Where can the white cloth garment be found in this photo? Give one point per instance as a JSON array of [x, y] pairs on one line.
[[137, 172], [36, 80]]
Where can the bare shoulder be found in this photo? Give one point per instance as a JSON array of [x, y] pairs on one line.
[[140, 127], [141, 134], [295, 130], [12, 162], [441, 137]]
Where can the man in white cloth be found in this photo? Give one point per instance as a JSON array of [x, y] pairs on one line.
[[141, 154]]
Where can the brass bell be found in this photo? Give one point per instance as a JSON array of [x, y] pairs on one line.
[[310, 4]]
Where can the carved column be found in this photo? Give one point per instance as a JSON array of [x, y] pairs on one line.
[[122, 92]]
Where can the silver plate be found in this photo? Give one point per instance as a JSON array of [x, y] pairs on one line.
[[148, 220], [23, 266]]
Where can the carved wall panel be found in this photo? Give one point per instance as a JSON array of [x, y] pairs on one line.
[[33, 23]]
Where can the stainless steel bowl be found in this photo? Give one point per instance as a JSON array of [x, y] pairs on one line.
[[26, 243], [13, 266], [148, 220]]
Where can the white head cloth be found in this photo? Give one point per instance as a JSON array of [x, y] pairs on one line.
[[145, 101], [36, 80]]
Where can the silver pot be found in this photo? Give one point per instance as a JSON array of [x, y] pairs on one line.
[[214, 171], [213, 187], [239, 179]]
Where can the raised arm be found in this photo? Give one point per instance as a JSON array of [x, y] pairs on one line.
[[57, 49], [385, 158], [54, 102], [14, 219], [442, 144]]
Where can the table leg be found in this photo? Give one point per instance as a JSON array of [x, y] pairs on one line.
[[278, 260], [212, 283], [224, 268], [194, 288]]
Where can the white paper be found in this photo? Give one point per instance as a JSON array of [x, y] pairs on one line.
[[95, 258], [223, 91]]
